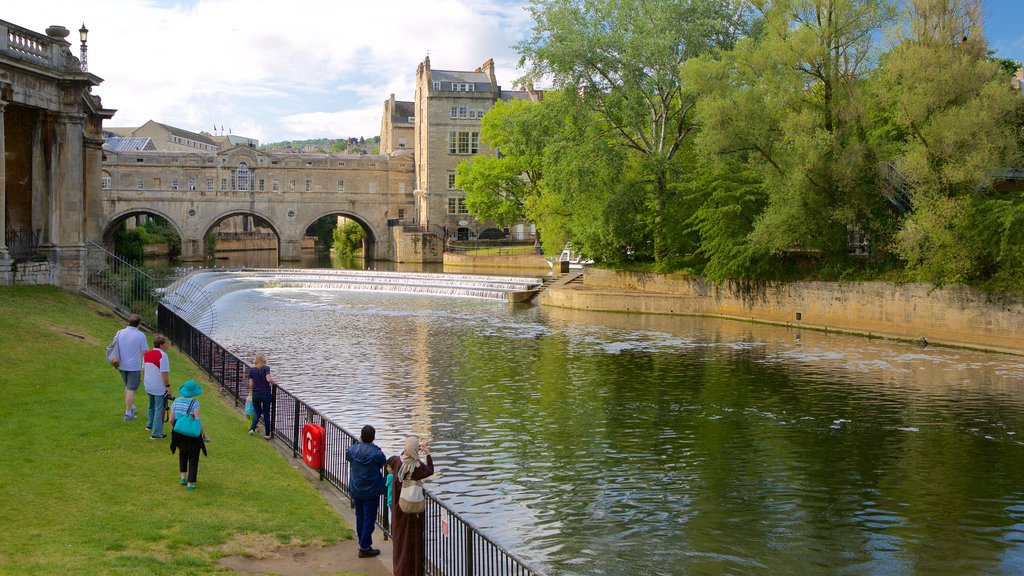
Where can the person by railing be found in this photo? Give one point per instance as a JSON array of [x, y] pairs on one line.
[[454, 546]]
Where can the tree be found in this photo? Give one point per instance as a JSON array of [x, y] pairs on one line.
[[788, 102], [955, 125], [348, 239], [619, 60], [497, 187]]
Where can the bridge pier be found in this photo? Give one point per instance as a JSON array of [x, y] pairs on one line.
[[193, 250]]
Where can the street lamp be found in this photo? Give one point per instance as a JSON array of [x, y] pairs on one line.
[[83, 35]]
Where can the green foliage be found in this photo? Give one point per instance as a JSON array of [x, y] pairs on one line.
[[129, 243], [248, 494], [323, 229], [348, 239]]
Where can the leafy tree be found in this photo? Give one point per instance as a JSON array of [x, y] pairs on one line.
[[323, 229], [619, 61], [788, 103], [497, 187], [348, 239], [957, 126]]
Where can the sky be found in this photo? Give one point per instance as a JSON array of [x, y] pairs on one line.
[[303, 69]]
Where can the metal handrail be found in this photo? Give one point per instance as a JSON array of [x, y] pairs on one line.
[[454, 546], [121, 285]]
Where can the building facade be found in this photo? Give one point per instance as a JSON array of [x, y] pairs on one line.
[[449, 106], [50, 138]]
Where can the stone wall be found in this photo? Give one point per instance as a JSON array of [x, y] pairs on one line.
[[953, 316], [524, 261], [34, 273]]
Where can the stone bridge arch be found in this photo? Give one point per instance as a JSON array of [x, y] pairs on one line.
[[371, 240], [111, 225]]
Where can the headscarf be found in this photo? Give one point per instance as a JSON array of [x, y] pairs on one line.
[[410, 457]]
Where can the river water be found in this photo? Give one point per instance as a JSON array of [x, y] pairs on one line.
[[593, 443]]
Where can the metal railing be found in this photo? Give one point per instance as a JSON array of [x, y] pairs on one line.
[[121, 285], [22, 243], [453, 545]]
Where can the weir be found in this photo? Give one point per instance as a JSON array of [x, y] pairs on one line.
[[193, 297]]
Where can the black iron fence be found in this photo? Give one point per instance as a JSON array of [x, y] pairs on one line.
[[454, 546], [22, 243]]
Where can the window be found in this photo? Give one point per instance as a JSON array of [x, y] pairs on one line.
[[437, 85], [106, 183], [234, 179], [261, 185], [223, 184], [209, 184], [463, 87], [243, 176], [291, 186], [138, 183], [309, 184], [463, 142], [341, 185], [373, 187], [401, 213], [401, 187], [277, 186], [462, 112], [174, 183], [191, 183], [451, 180], [457, 206]]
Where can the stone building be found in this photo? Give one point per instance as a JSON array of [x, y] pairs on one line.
[[449, 106], [50, 138]]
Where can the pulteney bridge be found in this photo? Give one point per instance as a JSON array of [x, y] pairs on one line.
[[195, 191]]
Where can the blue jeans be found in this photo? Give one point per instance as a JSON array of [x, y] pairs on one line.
[[156, 414], [262, 408], [366, 517]]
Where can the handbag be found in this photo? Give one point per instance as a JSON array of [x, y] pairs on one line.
[[189, 425], [112, 353], [411, 499]]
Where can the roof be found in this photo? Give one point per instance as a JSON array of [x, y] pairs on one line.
[[532, 95], [122, 144], [459, 76], [186, 134]]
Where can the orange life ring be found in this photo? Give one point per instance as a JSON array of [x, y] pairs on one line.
[[313, 445]]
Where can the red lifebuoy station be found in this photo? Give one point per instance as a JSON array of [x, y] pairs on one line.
[[313, 445]]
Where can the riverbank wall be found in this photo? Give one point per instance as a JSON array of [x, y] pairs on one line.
[[954, 316], [522, 261]]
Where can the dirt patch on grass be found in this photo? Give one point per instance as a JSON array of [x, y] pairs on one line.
[[339, 558]]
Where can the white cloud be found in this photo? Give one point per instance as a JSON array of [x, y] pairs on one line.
[[313, 68]]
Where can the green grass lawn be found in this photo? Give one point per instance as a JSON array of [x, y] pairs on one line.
[[83, 492]]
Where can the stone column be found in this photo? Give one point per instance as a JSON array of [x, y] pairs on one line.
[[71, 200], [93, 189], [6, 262], [40, 184]]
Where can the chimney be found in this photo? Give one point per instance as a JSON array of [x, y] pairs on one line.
[[488, 69]]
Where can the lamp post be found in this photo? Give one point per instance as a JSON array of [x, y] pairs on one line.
[[83, 35]]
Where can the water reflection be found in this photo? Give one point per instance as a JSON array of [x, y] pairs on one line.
[[623, 444]]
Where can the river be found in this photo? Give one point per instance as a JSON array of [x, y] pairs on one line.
[[593, 443]]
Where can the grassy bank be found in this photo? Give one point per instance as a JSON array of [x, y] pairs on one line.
[[84, 492]]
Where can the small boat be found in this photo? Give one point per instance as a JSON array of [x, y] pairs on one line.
[[576, 262]]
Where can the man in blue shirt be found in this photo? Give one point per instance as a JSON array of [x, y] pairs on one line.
[[366, 484]]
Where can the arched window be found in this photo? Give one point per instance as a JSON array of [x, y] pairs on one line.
[[243, 176]]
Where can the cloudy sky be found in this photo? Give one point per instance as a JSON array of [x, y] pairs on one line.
[[275, 70]]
